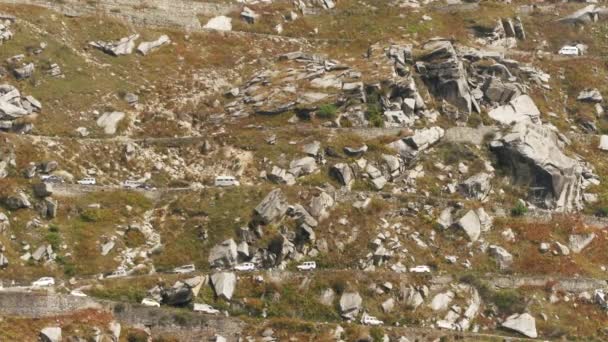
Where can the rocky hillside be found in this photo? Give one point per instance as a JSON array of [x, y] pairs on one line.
[[311, 170]]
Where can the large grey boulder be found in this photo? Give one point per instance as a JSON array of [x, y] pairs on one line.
[[219, 23], [524, 324], [531, 154], [281, 176], [320, 205], [146, 47], [224, 284], [409, 147], [471, 225], [444, 74], [312, 149], [411, 297], [179, 295], [4, 222], [272, 207], [578, 242], [350, 305], [109, 121], [441, 301], [590, 95], [43, 189], [3, 261], [303, 166], [585, 15], [223, 255], [124, 46], [18, 201], [302, 216], [24, 72], [521, 108], [50, 334], [343, 173], [477, 186], [502, 256], [445, 219]]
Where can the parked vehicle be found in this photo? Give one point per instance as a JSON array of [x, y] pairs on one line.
[[205, 308], [150, 302], [87, 181], [226, 181], [420, 269], [184, 269], [117, 274], [568, 50], [131, 184], [244, 267], [371, 320], [78, 293], [307, 266], [51, 179], [44, 282]]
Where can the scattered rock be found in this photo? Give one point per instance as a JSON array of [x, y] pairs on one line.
[[224, 284], [146, 47], [522, 323]]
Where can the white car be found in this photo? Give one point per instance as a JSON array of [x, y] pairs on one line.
[[420, 269], [78, 293], [246, 266], [307, 266], [131, 184], [371, 320], [184, 269], [150, 302], [226, 181], [44, 282], [205, 308], [87, 181], [569, 50]]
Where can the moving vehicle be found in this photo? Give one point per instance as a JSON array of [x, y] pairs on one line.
[[131, 184], [246, 266], [205, 308], [184, 269], [420, 269], [371, 320], [87, 181], [568, 50], [150, 302], [44, 282], [78, 293], [226, 181], [307, 266]]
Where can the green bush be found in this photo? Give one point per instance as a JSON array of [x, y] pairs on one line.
[[376, 333], [519, 209], [509, 301], [327, 111], [374, 115], [54, 239], [90, 215]]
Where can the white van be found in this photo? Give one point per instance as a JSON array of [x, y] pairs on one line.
[[307, 266], [226, 181], [87, 181], [568, 50]]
